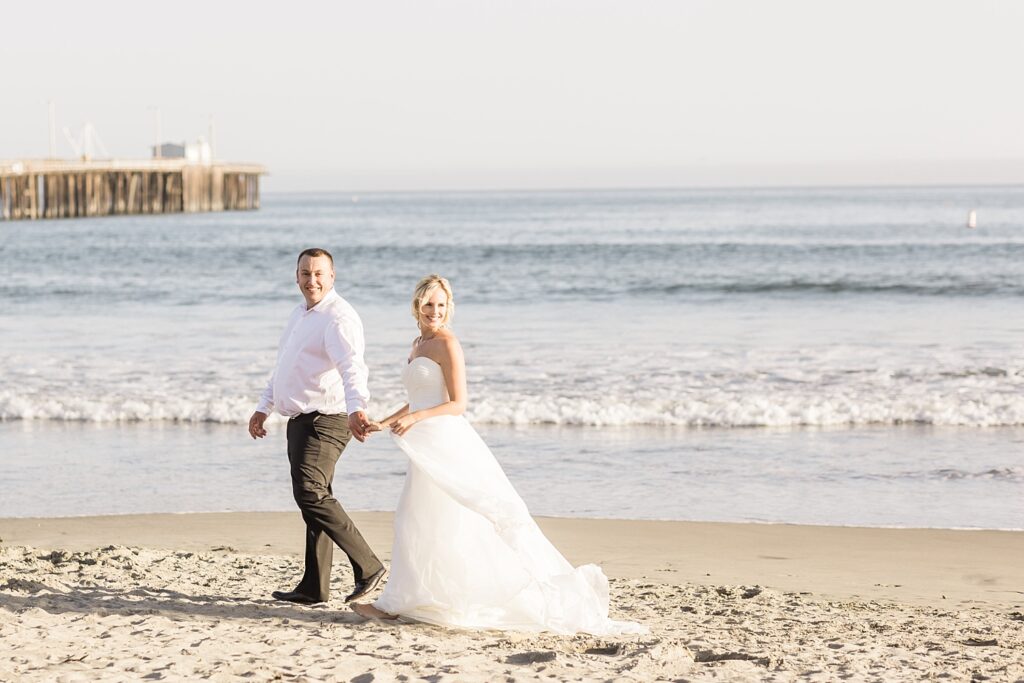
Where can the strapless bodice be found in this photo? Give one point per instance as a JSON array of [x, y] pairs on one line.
[[424, 383]]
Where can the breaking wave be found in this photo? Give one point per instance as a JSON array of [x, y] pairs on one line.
[[713, 409]]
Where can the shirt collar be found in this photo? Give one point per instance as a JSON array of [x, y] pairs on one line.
[[328, 298]]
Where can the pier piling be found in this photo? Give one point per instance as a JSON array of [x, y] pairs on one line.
[[65, 189]]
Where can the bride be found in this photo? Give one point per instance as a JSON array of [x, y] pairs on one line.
[[466, 551]]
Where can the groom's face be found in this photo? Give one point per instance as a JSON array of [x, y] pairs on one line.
[[315, 277]]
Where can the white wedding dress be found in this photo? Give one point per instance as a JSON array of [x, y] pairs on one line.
[[466, 551]]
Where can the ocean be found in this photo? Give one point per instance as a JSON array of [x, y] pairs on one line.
[[838, 356]]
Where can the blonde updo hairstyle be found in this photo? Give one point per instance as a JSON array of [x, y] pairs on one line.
[[425, 288]]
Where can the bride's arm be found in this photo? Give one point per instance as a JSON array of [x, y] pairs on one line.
[[453, 364], [387, 421]]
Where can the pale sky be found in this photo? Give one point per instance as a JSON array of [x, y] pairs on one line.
[[426, 94]]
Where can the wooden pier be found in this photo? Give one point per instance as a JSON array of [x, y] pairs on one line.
[[51, 188]]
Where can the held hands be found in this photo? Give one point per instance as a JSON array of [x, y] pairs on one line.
[[256, 429], [398, 426], [360, 425]]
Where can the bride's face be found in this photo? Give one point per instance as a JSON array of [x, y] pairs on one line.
[[433, 310]]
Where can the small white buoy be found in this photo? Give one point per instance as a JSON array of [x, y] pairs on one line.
[[972, 219], [355, 199]]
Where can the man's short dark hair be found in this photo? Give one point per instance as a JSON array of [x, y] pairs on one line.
[[313, 253]]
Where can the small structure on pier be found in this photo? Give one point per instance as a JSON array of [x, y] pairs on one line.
[[52, 188]]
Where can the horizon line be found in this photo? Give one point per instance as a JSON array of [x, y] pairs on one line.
[[853, 185]]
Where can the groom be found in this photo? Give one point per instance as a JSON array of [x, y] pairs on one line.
[[319, 383]]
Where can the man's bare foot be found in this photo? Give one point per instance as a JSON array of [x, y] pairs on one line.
[[370, 612]]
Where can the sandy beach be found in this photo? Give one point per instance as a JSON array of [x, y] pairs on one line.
[[179, 597]]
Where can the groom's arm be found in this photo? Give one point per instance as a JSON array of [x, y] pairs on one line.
[[263, 409], [345, 347], [266, 402], [265, 406]]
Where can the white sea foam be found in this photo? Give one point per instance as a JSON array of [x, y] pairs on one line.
[[711, 408]]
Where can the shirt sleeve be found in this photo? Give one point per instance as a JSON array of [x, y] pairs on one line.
[[345, 346], [266, 402]]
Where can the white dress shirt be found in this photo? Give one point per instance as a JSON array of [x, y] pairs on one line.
[[319, 362]]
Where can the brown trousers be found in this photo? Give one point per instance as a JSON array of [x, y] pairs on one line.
[[315, 443]]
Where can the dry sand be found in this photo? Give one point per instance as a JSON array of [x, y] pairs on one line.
[[184, 597]]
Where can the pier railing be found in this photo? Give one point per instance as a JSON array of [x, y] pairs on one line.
[[50, 188]]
